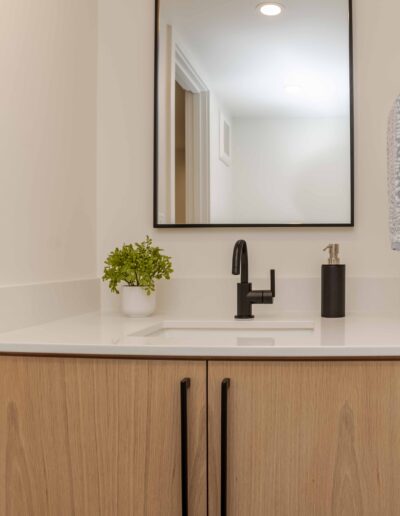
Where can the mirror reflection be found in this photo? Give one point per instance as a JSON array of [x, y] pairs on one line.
[[254, 113]]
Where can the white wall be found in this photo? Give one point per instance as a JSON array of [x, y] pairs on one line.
[[125, 123], [126, 156], [47, 140], [48, 122], [291, 170]]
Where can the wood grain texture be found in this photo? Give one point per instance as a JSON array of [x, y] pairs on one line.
[[307, 438], [95, 437]]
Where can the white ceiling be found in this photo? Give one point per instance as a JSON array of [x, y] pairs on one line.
[[248, 59]]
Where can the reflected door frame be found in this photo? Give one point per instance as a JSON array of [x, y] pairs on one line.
[[197, 138], [179, 69]]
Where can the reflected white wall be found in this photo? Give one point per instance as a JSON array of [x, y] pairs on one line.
[[291, 170], [291, 151]]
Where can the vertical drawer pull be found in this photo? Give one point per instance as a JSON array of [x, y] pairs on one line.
[[185, 384], [224, 443]]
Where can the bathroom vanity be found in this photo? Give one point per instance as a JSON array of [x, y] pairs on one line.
[[104, 415], [254, 126]]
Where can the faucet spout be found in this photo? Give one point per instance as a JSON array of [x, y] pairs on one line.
[[246, 296], [240, 262]]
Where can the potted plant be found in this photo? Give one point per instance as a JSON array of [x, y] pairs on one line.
[[137, 267]]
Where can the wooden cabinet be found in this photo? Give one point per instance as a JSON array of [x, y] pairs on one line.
[[307, 438], [103, 437], [99, 437]]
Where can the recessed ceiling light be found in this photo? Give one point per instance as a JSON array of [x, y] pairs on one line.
[[268, 9]]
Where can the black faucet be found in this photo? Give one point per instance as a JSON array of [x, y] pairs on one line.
[[246, 297]]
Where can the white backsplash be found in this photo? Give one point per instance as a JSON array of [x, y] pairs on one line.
[[29, 305], [217, 296]]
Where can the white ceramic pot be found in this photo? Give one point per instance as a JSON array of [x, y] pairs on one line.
[[136, 303]]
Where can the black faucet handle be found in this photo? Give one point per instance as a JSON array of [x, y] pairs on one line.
[[272, 276]]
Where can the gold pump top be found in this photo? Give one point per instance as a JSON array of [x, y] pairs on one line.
[[333, 254]]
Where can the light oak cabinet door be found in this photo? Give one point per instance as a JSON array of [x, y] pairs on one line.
[[99, 437], [306, 438]]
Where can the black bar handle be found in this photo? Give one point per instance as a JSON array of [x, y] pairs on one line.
[[185, 384], [272, 277], [224, 443]]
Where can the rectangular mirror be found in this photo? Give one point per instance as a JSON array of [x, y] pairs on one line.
[[254, 113]]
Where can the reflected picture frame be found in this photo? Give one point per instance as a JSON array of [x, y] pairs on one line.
[[225, 140]]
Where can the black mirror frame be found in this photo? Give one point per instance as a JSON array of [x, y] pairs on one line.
[[156, 224]]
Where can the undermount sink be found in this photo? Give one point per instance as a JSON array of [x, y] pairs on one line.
[[250, 333]]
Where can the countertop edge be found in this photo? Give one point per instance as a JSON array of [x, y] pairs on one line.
[[193, 353]]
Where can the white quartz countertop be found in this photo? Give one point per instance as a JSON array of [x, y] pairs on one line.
[[111, 335]]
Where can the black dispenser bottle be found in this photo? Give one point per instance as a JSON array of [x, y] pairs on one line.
[[333, 280]]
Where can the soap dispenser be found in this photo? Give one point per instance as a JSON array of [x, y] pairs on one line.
[[333, 280]]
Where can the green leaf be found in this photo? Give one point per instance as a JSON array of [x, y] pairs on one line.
[[137, 265]]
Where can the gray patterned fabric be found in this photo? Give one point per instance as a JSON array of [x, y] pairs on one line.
[[394, 174]]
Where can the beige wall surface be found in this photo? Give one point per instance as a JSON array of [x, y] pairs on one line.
[[55, 56], [125, 155], [48, 57]]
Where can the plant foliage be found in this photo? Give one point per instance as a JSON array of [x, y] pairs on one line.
[[137, 265]]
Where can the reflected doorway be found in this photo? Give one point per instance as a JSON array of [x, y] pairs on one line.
[[180, 155]]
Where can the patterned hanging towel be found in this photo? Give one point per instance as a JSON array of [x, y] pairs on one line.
[[394, 174]]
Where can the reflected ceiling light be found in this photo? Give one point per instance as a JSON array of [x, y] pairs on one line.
[[268, 9]]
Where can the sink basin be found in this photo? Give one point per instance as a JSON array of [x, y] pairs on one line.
[[210, 333]]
